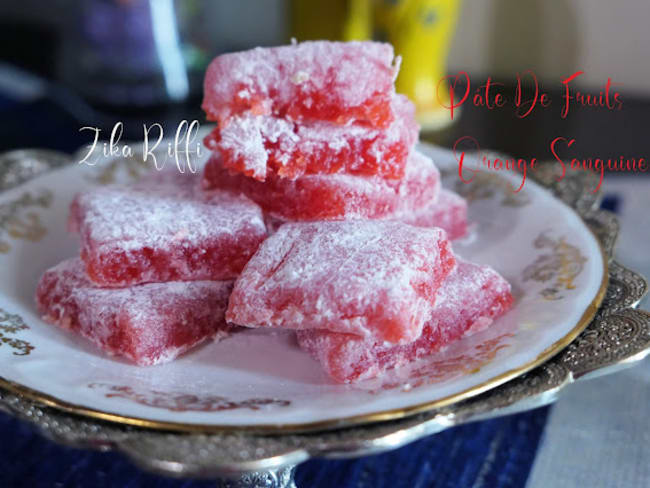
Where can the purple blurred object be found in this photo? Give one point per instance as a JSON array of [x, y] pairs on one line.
[[126, 53]]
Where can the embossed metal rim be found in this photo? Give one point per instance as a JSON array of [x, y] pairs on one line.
[[374, 417]]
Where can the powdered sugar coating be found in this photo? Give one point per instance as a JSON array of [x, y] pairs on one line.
[[468, 301], [449, 213], [148, 324], [165, 228], [333, 197], [256, 144], [370, 278], [339, 82]]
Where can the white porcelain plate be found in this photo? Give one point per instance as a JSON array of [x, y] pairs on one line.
[[262, 380]]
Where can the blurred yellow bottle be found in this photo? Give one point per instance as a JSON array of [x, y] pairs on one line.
[[346, 20], [421, 31]]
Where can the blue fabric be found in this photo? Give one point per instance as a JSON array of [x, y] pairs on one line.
[[39, 124], [6, 102], [611, 202], [493, 453]]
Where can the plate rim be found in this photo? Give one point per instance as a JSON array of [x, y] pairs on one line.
[[329, 424]]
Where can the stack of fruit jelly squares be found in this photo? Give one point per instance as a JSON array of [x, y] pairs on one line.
[[359, 260], [312, 142], [315, 131]]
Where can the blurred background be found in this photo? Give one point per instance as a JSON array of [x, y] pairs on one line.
[[65, 63]]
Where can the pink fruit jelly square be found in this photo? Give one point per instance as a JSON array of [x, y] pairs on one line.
[[165, 228], [449, 213], [256, 144], [148, 324], [468, 301], [333, 197], [371, 278], [338, 82]]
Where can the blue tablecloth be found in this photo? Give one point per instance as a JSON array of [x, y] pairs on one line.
[[493, 453]]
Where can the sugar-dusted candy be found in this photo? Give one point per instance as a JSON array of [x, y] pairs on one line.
[[165, 228], [338, 82], [449, 213], [468, 301], [147, 324], [375, 279], [333, 197], [256, 144]]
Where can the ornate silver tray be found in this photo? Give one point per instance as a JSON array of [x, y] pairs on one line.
[[619, 336]]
